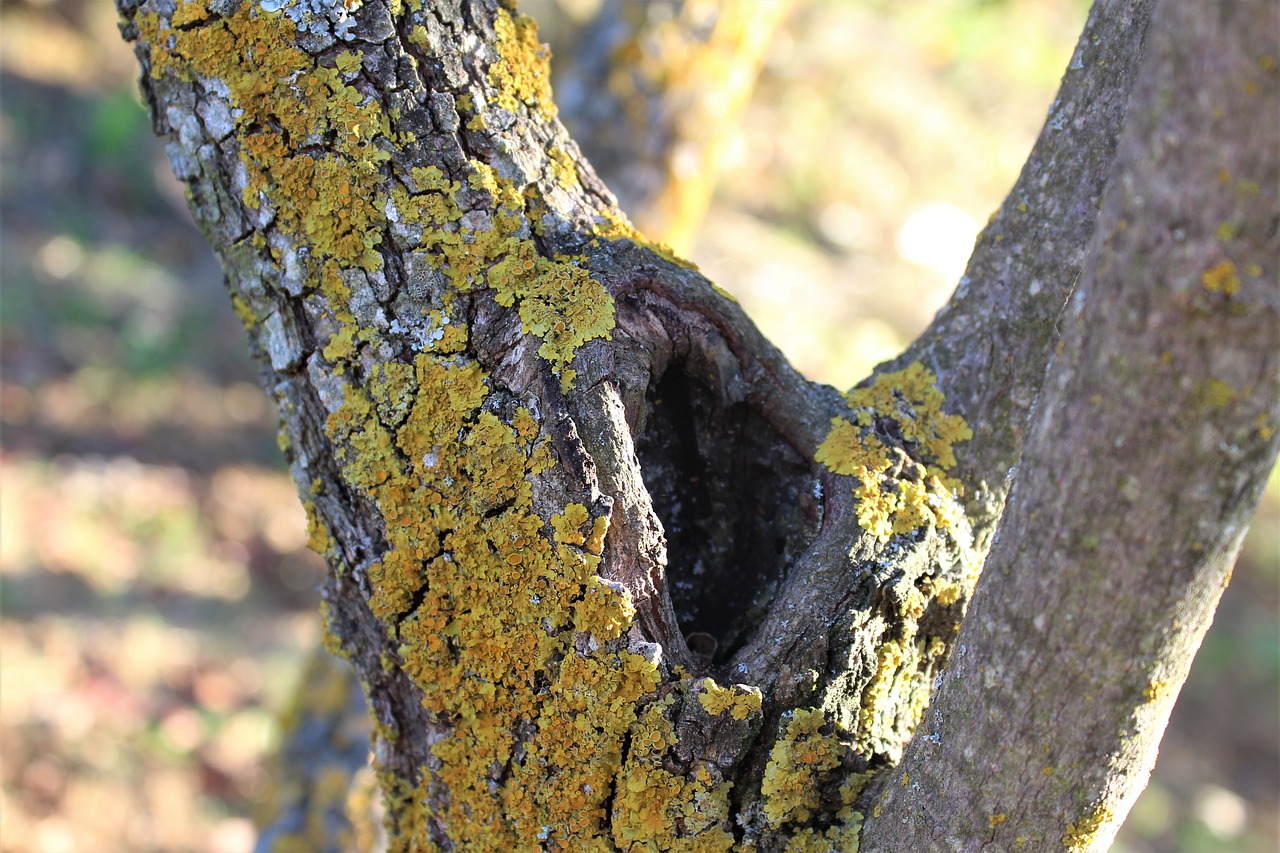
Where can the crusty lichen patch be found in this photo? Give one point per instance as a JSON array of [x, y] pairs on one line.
[[798, 762], [1081, 833], [895, 699], [804, 765], [311, 145], [1222, 278], [522, 74], [900, 445], [655, 805], [739, 701], [317, 152], [548, 725], [513, 637], [497, 612]]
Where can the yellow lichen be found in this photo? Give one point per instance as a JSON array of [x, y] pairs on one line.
[[613, 226], [522, 74], [243, 312], [944, 592], [499, 606], [330, 197], [563, 171], [1221, 278], [843, 835], [800, 760], [739, 701], [558, 301], [653, 802], [348, 62], [568, 525], [1080, 834], [900, 489], [1155, 690], [494, 607], [280, 93], [895, 698], [1214, 394]]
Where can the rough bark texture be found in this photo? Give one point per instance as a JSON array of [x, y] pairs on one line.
[[677, 75], [612, 573], [1146, 457]]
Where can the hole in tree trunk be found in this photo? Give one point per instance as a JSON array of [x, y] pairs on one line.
[[737, 506]]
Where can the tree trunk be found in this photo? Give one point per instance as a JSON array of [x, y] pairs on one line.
[[1147, 453], [612, 573]]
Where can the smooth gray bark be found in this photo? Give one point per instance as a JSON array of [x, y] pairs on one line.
[[1146, 457]]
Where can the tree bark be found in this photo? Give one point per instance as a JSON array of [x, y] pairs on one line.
[[1147, 454], [614, 575]]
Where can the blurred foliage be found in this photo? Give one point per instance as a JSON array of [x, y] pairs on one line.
[[156, 595]]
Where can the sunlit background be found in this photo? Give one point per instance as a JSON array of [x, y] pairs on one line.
[[156, 593]]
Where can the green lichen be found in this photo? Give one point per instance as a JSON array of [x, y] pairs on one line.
[[900, 488]]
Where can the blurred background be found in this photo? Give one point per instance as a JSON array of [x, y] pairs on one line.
[[156, 593]]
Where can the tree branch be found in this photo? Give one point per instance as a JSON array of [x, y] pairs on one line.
[[992, 341], [653, 91], [1145, 460], [610, 571]]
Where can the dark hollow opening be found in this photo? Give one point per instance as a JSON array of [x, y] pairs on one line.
[[737, 506]]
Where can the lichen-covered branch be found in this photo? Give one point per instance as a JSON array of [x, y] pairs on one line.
[[1145, 459], [991, 343], [324, 795], [611, 573], [652, 91], [597, 586]]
